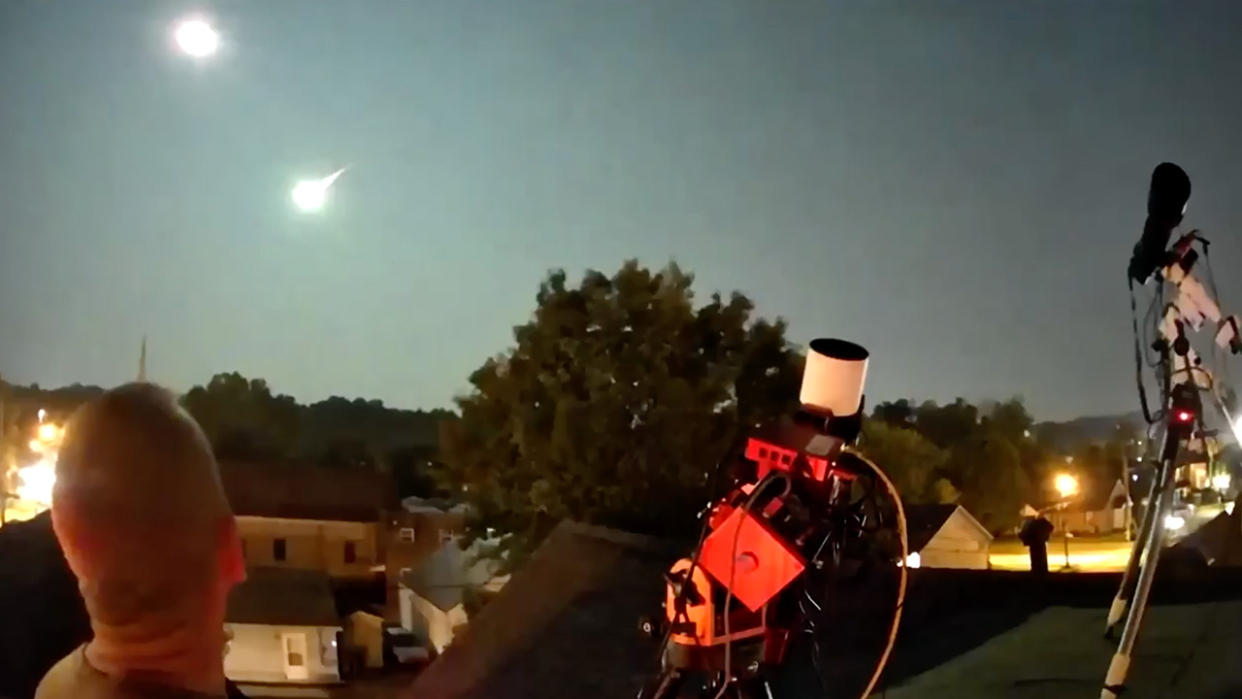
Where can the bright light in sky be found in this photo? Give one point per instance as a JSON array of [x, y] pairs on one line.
[[311, 195], [196, 37]]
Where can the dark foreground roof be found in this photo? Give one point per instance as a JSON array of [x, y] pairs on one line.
[[283, 596], [1218, 541], [42, 617], [1184, 651], [564, 626]]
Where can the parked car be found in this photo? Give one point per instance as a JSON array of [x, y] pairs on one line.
[[402, 647]]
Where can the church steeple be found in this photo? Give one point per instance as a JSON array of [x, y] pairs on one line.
[[142, 360]]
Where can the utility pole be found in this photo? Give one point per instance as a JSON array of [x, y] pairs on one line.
[[1128, 507], [142, 360]]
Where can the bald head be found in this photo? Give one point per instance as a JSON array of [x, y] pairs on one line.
[[138, 505]]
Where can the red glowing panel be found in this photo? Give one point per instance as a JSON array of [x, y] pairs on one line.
[[769, 457], [764, 564]]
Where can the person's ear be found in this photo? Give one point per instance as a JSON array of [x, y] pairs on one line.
[[232, 559], [69, 534]]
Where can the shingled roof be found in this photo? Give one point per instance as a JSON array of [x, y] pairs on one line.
[[283, 597], [306, 491], [565, 625]]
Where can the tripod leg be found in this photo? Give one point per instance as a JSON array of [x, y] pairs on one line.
[[1124, 592], [666, 687], [1118, 669], [756, 688]]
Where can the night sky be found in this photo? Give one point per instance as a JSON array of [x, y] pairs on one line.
[[956, 188]]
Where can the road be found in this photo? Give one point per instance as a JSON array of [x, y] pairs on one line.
[[1093, 554]]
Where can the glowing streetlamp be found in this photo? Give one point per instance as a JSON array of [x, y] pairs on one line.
[[1067, 486], [35, 482], [196, 38]]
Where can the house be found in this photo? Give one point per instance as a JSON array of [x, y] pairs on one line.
[[411, 534], [282, 627], [310, 518], [366, 631], [1101, 511], [946, 536], [434, 596]]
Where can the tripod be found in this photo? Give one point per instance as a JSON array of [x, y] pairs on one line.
[[1181, 379], [1145, 555]]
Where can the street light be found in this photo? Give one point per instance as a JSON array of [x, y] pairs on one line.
[[1067, 486], [35, 483]]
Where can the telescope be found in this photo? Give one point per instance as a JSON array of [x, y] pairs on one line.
[[732, 607], [1182, 306]]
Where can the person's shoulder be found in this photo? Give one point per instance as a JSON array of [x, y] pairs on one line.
[[61, 681]]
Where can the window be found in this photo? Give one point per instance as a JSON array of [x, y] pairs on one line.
[[278, 549], [351, 552], [406, 535]]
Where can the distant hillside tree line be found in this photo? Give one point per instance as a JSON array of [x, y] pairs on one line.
[[615, 404], [993, 458], [246, 421]]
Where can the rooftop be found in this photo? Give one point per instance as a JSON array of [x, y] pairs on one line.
[[283, 596], [305, 491]]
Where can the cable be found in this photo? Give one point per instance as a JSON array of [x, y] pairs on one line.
[[698, 549], [745, 508], [1138, 351], [901, 585]]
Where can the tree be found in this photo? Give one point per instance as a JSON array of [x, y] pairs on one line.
[[899, 412], [990, 477], [1009, 420], [908, 457], [243, 419], [414, 470], [615, 405], [947, 425]]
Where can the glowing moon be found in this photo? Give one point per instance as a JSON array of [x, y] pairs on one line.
[[196, 38]]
